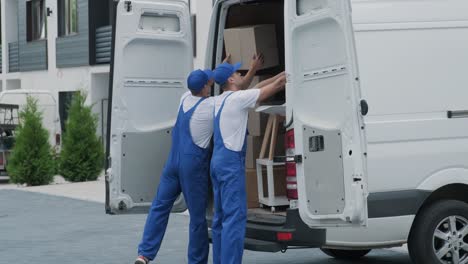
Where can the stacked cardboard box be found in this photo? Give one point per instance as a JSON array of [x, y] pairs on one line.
[[256, 126], [257, 121]]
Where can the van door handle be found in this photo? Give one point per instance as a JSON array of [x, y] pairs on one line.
[[282, 159], [364, 107]]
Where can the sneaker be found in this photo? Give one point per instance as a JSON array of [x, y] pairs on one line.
[[141, 260]]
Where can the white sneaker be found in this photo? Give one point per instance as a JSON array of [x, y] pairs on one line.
[[141, 260]]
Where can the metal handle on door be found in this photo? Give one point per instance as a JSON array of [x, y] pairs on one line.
[[364, 107]]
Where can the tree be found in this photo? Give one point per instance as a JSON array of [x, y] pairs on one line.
[[82, 155], [31, 159]]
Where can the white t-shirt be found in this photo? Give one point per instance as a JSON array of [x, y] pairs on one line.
[[201, 123], [233, 119]]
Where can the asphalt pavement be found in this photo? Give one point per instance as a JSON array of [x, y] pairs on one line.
[[39, 228]]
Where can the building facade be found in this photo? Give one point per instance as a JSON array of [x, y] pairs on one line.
[[64, 46]]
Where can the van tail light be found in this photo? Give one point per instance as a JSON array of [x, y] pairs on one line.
[[291, 180], [289, 142], [284, 236]]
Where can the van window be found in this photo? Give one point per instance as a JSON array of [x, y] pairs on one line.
[[307, 6], [162, 23]]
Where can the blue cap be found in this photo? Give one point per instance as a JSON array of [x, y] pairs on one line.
[[198, 79], [224, 71]]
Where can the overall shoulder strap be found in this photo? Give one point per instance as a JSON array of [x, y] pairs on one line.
[[222, 105], [199, 102]]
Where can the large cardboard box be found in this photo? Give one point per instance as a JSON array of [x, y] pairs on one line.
[[254, 145], [252, 185], [243, 42]]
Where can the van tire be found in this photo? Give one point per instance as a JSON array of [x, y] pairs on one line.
[[421, 240], [345, 254]]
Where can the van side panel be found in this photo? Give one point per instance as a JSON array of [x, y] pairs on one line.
[[413, 71], [412, 57], [380, 232]]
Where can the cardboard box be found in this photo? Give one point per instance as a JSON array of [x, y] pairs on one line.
[[257, 123], [280, 181], [252, 185], [243, 42], [254, 145], [251, 188]]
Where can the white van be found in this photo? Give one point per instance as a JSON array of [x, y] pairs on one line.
[[376, 105]]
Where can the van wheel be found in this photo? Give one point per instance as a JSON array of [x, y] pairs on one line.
[[345, 254], [440, 234]]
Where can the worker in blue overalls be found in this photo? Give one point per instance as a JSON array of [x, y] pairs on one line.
[[186, 171], [228, 161]]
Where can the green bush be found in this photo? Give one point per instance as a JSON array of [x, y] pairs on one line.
[[82, 155], [31, 158]]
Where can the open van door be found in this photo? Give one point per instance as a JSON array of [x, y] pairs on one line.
[[152, 57], [323, 97]]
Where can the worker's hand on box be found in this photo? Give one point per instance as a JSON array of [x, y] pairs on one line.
[[227, 59], [257, 62]]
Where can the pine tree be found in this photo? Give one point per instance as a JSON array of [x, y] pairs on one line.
[[31, 158], [82, 155]]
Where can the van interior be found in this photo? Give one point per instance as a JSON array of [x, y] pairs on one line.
[[245, 14], [261, 13]]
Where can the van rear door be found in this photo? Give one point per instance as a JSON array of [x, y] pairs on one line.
[[323, 97], [152, 57]]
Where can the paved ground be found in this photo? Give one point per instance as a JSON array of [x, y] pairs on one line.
[[88, 191], [40, 228]]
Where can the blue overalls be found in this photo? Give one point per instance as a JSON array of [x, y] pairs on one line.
[[230, 200], [186, 170]]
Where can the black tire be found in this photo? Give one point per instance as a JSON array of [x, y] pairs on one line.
[[345, 254], [421, 240]]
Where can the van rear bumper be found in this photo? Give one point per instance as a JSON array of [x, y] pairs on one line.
[[262, 233]]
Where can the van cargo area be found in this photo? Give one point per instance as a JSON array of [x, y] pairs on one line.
[[269, 228], [245, 16], [261, 13]]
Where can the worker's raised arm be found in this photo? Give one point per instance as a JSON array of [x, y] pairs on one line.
[[272, 88], [255, 65], [269, 80]]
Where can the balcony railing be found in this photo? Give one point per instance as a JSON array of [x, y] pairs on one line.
[[13, 57], [103, 44]]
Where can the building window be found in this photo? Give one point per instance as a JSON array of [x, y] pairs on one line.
[[67, 17], [36, 20]]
